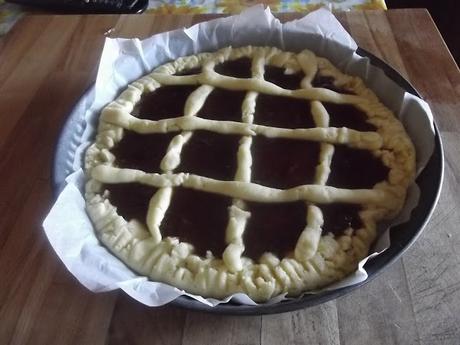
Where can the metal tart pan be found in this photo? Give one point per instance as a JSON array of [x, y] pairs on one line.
[[402, 236]]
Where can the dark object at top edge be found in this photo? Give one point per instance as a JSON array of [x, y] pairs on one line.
[[86, 6]]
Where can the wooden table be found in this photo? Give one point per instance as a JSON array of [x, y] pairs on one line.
[[46, 63]]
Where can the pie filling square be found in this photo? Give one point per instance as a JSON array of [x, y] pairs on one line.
[[273, 228], [283, 163], [184, 220], [346, 115], [355, 169], [284, 112], [223, 105], [141, 151], [164, 103], [210, 154]]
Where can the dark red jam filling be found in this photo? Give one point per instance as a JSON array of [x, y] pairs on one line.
[[210, 154], [165, 102], [273, 227], [198, 218], [276, 75], [239, 68], [142, 151], [283, 163], [283, 112], [339, 217], [223, 105], [131, 199], [347, 115], [355, 169]]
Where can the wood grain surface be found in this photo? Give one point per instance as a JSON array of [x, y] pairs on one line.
[[46, 63]]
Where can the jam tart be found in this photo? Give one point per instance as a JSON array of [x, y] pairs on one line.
[[247, 170]]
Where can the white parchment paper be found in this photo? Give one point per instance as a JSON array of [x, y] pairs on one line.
[[69, 229]]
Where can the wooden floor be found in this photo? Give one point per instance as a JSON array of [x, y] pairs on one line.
[[445, 14]]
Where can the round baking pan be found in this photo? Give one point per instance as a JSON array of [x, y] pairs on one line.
[[402, 236]]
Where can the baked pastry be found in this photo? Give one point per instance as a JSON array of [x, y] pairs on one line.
[[248, 170]]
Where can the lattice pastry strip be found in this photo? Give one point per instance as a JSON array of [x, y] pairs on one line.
[[317, 258], [238, 215]]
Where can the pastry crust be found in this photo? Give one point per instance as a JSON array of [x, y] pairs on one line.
[[318, 259]]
